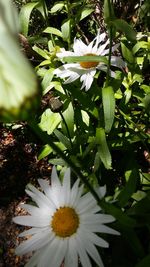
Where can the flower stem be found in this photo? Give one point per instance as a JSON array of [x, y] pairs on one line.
[[110, 45], [62, 116], [45, 12], [69, 18], [46, 139]]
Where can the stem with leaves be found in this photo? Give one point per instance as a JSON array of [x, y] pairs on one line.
[[46, 139]]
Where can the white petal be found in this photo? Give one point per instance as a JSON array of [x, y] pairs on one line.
[[94, 238], [47, 189], [87, 202], [96, 218], [84, 258], [102, 229], [71, 258], [33, 262], [55, 182], [76, 193], [79, 47], [40, 196], [87, 80], [101, 50], [35, 242], [92, 251], [33, 210], [33, 231], [65, 191], [34, 221], [72, 78], [65, 54], [54, 253], [101, 191], [118, 62]]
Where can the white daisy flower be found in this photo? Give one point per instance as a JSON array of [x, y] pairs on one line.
[[64, 225], [87, 70]]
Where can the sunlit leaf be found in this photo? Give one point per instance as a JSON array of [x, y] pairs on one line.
[[103, 149], [108, 107], [124, 27], [131, 177], [18, 82], [65, 29], [46, 150], [86, 58], [63, 139], [49, 121], [57, 7], [68, 115], [86, 12], [24, 16], [53, 30]]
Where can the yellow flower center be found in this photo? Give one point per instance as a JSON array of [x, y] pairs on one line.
[[88, 65], [65, 222]]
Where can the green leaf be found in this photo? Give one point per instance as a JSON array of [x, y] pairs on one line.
[[108, 107], [59, 161], [53, 30], [146, 102], [49, 121], [57, 7], [103, 149], [108, 11], [47, 79], [120, 216], [139, 45], [65, 29], [130, 187], [85, 12], [41, 52], [63, 139], [68, 115], [144, 262], [46, 150], [19, 91], [24, 16], [123, 26], [86, 59], [127, 53]]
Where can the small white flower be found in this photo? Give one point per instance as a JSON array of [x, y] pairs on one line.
[[64, 225], [87, 70]]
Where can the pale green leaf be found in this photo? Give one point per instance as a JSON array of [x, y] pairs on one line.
[[108, 107], [103, 149], [18, 93], [124, 27], [49, 121], [65, 29], [57, 7], [68, 115], [53, 30], [86, 12], [63, 139], [46, 150], [139, 45], [24, 16], [86, 59]]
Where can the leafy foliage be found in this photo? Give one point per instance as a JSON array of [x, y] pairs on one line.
[[104, 133]]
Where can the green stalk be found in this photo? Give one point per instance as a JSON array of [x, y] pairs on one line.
[[46, 139], [110, 46], [62, 116], [45, 12], [69, 17]]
